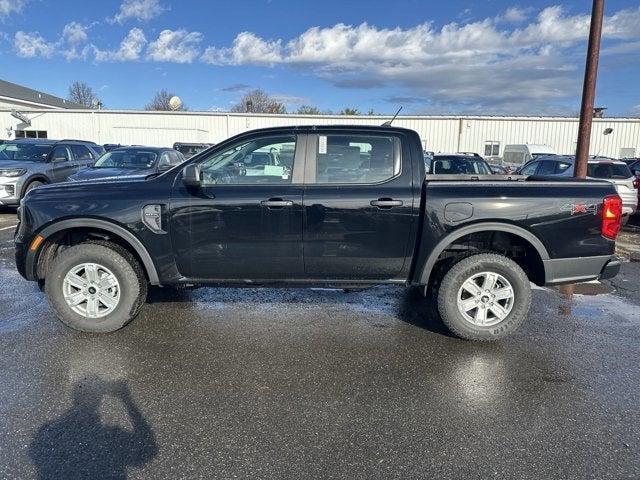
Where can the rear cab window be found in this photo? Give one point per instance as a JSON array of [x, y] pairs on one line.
[[608, 170]]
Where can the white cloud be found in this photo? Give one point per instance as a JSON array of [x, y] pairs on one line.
[[74, 36], [290, 100], [515, 15], [247, 48], [141, 10], [31, 44], [130, 48], [478, 64], [7, 7], [177, 46], [71, 43]]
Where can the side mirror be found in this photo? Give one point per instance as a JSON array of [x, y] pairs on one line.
[[164, 167], [59, 159], [191, 175]]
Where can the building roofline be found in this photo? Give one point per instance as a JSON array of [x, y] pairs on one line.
[[334, 116], [25, 94]]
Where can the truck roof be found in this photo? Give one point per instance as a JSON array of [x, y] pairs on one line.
[[312, 128]]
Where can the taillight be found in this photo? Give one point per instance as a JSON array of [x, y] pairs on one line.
[[611, 216]]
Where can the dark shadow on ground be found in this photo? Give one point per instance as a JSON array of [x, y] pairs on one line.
[[7, 210], [421, 312], [414, 308], [78, 445]]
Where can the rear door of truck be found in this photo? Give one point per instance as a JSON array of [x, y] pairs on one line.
[[359, 207]]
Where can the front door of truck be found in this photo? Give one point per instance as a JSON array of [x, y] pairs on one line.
[[244, 222], [358, 207]]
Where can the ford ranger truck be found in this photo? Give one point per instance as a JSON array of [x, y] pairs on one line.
[[325, 206]]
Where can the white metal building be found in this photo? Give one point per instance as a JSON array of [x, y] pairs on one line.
[[483, 134]]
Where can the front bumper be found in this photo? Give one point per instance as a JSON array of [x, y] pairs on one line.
[[21, 260], [10, 188], [580, 269]]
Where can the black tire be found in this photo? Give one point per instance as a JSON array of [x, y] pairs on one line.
[[123, 265], [449, 288], [31, 186]]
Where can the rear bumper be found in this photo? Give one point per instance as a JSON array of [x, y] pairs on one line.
[[580, 269]]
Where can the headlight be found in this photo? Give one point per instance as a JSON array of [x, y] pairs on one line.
[[16, 172]]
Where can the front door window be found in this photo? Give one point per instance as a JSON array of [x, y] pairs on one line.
[[264, 161]]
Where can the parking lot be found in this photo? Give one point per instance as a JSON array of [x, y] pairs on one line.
[[263, 383]]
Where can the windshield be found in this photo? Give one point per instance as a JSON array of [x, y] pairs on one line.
[[133, 159], [608, 170], [25, 152], [458, 165]]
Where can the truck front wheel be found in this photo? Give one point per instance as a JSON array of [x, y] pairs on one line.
[[96, 287], [484, 297]]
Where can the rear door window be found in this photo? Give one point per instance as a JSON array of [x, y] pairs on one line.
[[356, 159], [546, 168], [81, 152]]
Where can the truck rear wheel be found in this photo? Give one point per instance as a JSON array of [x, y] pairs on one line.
[[96, 287], [484, 297]]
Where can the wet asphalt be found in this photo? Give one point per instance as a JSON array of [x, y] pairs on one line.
[[262, 383]]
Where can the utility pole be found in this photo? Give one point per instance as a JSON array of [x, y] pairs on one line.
[[589, 89]]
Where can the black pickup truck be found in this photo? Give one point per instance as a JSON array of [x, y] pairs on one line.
[[340, 207]]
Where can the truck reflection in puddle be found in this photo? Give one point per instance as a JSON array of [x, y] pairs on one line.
[[567, 293]]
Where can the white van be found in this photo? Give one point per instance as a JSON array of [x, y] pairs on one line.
[[517, 155]]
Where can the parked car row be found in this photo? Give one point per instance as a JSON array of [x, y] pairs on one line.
[[624, 175], [614, 171], [29, 163], [26, 164]]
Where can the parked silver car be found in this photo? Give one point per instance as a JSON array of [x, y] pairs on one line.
[[602, 168], [30, 163]]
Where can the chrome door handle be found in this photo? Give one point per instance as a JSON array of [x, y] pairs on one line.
[[386, 203], [276, 203]]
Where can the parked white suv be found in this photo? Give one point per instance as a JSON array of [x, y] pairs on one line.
[[603, 168]]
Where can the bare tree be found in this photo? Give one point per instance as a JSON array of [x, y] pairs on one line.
[[258, 101], [82, 93], [160, 102], [308, 110]]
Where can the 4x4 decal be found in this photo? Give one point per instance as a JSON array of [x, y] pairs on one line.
[[580, 208]]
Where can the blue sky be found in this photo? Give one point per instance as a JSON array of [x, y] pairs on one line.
[[432, 57]]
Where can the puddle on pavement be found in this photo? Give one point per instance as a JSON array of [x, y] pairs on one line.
[[589, 289], [593, 299]]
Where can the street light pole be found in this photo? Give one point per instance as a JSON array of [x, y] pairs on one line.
[[589, 89]]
